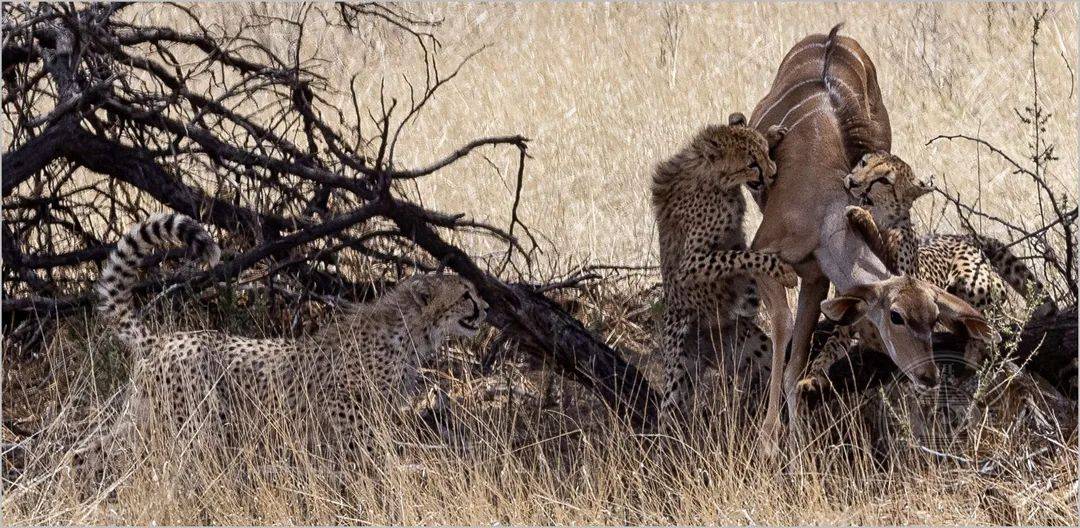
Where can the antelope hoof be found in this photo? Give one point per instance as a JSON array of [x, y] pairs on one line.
[[770, 441]]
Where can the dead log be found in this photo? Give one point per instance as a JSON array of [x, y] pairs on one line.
[[542, 327]]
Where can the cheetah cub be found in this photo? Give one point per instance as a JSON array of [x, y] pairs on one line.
[[975, 268], [707, 271], [207, 380]]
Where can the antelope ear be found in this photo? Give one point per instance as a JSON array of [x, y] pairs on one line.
[[773, 136], [844, 309], [736, 119], [956, 310]]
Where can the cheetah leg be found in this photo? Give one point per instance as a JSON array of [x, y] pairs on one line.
[[93, 456], [676, 367], [707, 267], [776, 306], [752, 350], [863, 222], [352, 437], [980, 286], [817, 380]]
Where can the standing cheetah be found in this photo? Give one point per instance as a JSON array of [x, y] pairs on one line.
[[706, 268], [367, 354], [973, 267]]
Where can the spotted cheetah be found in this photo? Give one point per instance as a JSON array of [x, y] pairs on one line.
[[708, 274], [973, 267], [367, 353]]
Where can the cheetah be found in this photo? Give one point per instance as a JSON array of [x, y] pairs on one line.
[[707, 272], [973, 267], [367, 353]]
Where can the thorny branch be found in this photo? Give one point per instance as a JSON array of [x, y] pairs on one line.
[[1056, 230]]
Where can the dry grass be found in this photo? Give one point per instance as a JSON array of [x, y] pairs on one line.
[[605, 91], [503, 457]]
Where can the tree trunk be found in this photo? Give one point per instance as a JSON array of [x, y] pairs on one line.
[[542, 326]]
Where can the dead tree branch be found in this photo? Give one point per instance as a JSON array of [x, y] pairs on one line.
[[114, 119]]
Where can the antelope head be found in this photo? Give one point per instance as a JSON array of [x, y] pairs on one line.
[[904, 311]]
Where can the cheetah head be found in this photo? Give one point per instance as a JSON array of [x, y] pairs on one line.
[[737, 154], [881, 178], [449, 303]]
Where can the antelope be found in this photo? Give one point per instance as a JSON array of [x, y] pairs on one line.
[[826, 96]]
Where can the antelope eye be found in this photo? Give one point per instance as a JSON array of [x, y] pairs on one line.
[[895, 317]]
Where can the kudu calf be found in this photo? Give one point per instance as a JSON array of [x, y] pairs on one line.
[[826, 95]]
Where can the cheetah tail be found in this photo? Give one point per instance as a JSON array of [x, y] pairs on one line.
[[118, 276], [1017, 274]]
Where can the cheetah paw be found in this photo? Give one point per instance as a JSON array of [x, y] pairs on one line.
[[855, 213], [786, 276], [810, 387]]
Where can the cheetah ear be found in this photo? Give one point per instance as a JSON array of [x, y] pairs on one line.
[[773, 136], [955, 310], [922, 187], [736, 119]]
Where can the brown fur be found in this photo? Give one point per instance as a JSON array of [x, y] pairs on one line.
[[819, 148], [826, 95]]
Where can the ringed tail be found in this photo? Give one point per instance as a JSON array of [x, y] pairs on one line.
[[120, 272]]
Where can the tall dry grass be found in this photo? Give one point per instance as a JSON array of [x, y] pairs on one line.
[[604, 91], [498, 454]]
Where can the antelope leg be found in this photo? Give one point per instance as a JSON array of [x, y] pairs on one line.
[[774, 297]]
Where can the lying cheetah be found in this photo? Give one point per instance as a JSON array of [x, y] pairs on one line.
[[973, 267], [208, 380], [706, 268]]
